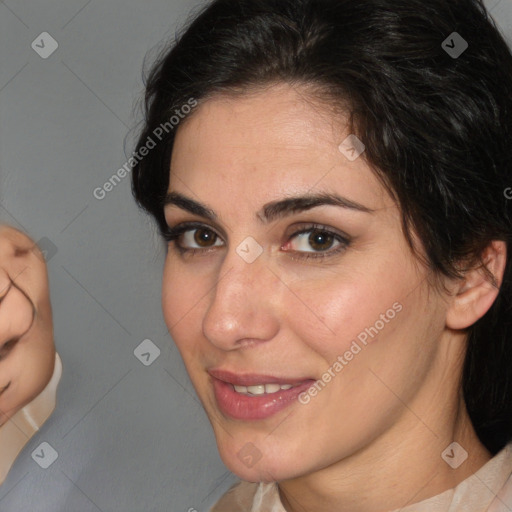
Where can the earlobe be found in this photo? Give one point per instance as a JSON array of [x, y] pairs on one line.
[[478, 290]]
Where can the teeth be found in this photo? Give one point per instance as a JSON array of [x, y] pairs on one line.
[[256, 390], [272, 388], [261, 389]]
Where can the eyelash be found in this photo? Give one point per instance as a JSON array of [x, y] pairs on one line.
[[172, 235]]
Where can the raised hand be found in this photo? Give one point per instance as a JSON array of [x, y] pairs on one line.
[[27, 351]]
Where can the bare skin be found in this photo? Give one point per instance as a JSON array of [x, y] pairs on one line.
[[27, 351], [372, 439]]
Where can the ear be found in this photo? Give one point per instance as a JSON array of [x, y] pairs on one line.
[[475, 294]]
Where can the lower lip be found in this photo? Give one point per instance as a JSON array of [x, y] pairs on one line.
[[259, 407]]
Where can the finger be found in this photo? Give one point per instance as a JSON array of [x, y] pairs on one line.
[[16, 317], [5, 284], [24, 264], [13, 238]]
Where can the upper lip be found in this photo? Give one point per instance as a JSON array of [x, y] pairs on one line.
[[253, 379]]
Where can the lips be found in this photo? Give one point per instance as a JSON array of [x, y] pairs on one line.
[[253, 396], [252, 379]]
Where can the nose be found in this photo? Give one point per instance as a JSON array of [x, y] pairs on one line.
[[244, 305]]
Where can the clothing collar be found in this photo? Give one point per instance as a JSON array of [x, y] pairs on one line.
[[16, 432]]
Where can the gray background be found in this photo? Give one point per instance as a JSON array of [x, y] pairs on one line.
[[129, 437]]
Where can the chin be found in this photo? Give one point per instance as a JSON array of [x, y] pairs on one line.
[[252, 465]]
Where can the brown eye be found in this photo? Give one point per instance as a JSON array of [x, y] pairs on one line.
[[196, 239], [320, 240], [204, 237], [317, 241]]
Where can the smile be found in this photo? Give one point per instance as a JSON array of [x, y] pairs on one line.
[[261, 389], [250, 397]]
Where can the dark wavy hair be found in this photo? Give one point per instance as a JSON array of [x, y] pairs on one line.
[[437, 129]]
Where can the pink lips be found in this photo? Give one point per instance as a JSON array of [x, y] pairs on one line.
[[244, 407]]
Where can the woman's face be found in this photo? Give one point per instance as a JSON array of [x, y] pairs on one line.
[[274, 292]]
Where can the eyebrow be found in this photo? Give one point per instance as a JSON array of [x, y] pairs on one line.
[[273, 210]]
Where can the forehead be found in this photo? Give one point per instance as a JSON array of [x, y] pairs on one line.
[[266, 144]]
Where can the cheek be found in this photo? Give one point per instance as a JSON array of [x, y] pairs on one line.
[[333, 312], [182, 293], [378, 328], [173, 291]]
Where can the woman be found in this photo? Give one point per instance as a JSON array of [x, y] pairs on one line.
[[330, 179]]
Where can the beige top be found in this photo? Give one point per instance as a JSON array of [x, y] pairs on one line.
[[487, 490], [16, 432]]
